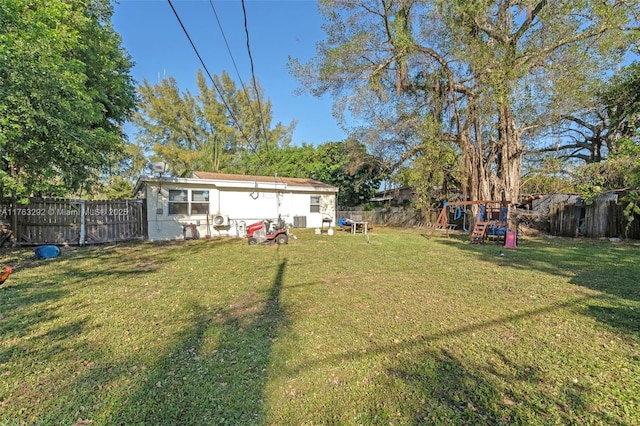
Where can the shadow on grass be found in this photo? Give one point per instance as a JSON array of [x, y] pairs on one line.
[[454, 390], [140, 252], [620, 316], [460, 393], [444, 334], [107, 262], [16, 316], [607, 268], [217, 373]]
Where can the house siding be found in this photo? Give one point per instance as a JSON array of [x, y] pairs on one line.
[[243, 204]]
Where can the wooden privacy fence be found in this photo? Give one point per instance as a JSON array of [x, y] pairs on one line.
[[76, 222], [602, 218], [391, 216]]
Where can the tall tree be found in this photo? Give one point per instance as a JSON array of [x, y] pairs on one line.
[[65, 91], [348, 166], [210, 131], [287, 161], [621, 99], [592, 133], [621, 120], [479, 74]]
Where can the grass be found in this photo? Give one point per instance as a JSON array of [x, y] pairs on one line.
[[396, 329]]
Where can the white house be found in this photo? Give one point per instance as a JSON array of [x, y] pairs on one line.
[[219, 204]]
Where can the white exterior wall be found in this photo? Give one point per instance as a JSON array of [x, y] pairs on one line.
[[246, 205]]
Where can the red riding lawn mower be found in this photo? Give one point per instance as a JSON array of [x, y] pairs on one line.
[[267, 231]]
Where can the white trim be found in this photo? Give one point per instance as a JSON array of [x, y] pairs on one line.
[[234, 184]]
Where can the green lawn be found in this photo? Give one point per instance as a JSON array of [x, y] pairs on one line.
[[394, 329]]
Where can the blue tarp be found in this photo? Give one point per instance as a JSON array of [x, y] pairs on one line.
[[47, 252]]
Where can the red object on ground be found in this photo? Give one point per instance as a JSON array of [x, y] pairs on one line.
[[5, 274], [510, 240], [263, 232]]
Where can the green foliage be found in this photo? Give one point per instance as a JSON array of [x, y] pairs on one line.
[[629, 155], [606, 126], [210, 132], [434, 174], [118, 188], [632, 208], [542, 183], [593, 185], [65, 91], [622, 102], [626, 148], [621, 172], [502, 70], [287, 161], [346, 165], [548, 176], [214, 130]]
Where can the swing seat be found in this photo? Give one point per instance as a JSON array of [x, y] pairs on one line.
[[462, 213], [448, 227]]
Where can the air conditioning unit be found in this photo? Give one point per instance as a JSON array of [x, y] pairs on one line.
[[299, 221], [220, 220]]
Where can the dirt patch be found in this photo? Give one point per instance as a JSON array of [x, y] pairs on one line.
[[147, 266]]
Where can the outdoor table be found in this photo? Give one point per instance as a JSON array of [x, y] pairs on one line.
[[354, 227]]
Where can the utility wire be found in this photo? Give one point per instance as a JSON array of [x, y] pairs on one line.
[[186, 33], [235, 66], [253, 75]]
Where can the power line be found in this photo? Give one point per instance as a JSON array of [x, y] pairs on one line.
[[234, 118], [204, 66], [253, 75], [244, 87]]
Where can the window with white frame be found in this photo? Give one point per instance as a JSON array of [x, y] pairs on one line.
[[315, 204], [188, 202], [199, 201], [178, 201]]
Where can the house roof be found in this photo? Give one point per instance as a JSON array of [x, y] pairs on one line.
[[398, 194], [241, 182], [268, 179]]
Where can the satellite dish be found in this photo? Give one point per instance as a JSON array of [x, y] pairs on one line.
[[159, 167]]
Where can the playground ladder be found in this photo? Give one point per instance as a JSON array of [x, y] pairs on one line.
[[477, 235]]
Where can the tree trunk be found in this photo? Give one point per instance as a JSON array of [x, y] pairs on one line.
[[492, 177], [509, 157], [477, 180]]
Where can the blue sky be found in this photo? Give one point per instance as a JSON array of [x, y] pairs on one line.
[[153, 37]]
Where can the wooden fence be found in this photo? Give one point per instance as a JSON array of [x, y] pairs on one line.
[[602, 218], [391, 216], [76, 222]]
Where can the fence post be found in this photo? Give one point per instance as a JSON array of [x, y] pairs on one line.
[[83, 227], [14, 216]]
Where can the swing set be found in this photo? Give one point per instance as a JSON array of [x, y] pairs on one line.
[[460, 213], [491, 220]]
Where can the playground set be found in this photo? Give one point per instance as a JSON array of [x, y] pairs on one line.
[[491, 221]]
